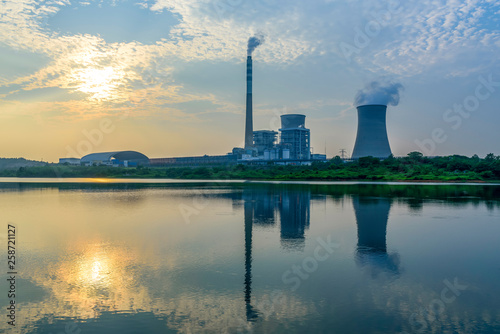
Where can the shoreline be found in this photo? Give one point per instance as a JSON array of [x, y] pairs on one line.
[[109, 180]]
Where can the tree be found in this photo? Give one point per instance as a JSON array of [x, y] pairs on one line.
[[415, 156], [337, 160], [490, 157]]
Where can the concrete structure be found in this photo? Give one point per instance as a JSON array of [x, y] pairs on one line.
[[249, 108], [264, 140], [119, 158], [69, 161], [295, 136], [371, 139]]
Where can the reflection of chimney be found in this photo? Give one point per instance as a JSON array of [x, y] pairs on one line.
[[371, 139], [249, 108], [251, 314]]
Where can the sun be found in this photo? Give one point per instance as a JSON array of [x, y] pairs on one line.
[[100, 84]]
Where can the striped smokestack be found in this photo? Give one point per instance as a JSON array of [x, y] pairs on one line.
[[249, 108], [253, 42]]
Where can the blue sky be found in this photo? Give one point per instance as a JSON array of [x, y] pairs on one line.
[[170, 74]]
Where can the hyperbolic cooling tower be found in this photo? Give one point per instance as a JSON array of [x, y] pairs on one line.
[[249, 111], [371, 139]]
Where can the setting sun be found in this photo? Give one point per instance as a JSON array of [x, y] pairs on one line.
[[101, 84]]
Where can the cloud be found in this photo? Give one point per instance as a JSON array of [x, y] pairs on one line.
[[421, 36]]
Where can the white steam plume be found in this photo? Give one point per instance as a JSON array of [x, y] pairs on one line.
[[254, 42], [386, 93]]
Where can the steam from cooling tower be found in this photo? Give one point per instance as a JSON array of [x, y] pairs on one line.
[[253, 43], [379, 93]]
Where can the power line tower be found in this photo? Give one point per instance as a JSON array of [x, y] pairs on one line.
[[343, 152]]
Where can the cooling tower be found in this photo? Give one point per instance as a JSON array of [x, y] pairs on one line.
[[249, 109], [290, 121], [371, 139]]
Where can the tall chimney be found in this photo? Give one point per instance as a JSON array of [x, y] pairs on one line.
[[249, 110], [371, 139]]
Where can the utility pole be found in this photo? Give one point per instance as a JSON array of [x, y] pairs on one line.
[[343, 153]]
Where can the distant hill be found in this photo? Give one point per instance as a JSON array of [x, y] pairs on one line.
[[15, 163]]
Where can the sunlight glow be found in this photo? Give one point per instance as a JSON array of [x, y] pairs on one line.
[[101, 84]]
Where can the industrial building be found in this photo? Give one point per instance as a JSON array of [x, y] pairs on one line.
[[295, 136], [371, 138], [119, 158], [264, 140], [291, 145], [206, 160]]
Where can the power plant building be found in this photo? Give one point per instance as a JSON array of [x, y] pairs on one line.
[[120, 158], [295, 136], [264, 140]]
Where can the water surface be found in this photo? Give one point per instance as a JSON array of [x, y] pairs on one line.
[[204, 256]]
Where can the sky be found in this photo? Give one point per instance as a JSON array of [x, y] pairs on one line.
[[167, 77]]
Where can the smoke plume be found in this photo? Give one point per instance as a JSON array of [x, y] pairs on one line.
[[385, 93], [254, 42]]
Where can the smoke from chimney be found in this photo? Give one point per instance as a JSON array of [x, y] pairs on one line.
[[379, 93], [254, 42]]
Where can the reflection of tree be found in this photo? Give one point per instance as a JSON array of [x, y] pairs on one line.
[[372, 215]]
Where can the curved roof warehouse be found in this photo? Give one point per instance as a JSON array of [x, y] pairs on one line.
[[119, 158]]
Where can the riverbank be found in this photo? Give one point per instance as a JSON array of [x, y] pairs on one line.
[[413, 168]]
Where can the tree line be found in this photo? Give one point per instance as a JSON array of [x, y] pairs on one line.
[[414, 166]]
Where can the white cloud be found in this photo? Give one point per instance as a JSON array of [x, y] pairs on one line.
[[425, 35]]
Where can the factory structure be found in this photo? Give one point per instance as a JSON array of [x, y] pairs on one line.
[[290, 145]]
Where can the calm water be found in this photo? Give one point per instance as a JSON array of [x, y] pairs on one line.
[[244, 257]]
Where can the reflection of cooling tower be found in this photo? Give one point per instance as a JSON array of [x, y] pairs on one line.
[[249, 108], [371, 139], [371, 218], [372, 215]]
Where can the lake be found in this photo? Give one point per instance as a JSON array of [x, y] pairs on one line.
[[135, 256]]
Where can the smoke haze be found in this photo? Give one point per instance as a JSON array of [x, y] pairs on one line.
[[379, 93], [254, 42]]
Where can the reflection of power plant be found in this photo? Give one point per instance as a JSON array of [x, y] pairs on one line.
[[290, 207], [294, 209], [259, 207], [264, 205], [372, 215]]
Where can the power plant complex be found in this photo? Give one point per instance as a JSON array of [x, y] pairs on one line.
[[290, 145]]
